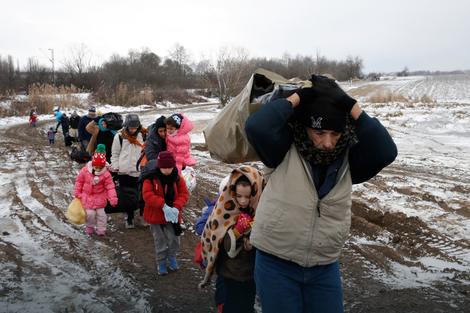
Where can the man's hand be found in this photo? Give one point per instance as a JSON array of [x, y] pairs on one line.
[[324, 86]]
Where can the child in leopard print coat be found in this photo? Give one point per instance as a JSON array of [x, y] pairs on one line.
[[225, 239]]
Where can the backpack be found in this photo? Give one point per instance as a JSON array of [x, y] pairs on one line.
[[113, 120], [68, 140], [79, 155], [142, 161]]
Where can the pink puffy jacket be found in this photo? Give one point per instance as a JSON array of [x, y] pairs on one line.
[[180, 144], [95, 190]]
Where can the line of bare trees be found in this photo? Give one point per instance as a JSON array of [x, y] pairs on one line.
[[223, 75]]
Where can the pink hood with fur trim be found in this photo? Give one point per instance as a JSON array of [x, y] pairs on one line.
[[180, 144]]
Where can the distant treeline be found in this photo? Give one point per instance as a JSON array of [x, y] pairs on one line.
[[123, 77]]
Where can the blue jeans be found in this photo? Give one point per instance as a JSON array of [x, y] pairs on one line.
[[287, 287]]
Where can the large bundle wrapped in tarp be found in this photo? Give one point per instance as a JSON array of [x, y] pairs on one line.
[[225, 134]]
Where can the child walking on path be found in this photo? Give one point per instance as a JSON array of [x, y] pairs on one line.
[[51, 135], [33, 118], [94, 186], [178, 141], [219, 295], [225, 239], [165, 195]]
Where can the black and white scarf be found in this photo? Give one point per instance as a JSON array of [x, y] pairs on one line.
[[321, 157]]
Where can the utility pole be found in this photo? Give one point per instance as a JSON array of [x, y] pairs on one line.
[[52, 61]]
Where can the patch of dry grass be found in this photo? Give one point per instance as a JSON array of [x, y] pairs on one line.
[[126, 95], [42, 97]]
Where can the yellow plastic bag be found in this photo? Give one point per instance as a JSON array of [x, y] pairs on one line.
[[75, 212]]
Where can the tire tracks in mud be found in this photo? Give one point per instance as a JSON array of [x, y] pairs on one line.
[[391, 237], [39, 194], [403, 250]]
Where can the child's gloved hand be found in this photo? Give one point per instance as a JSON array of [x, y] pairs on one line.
[[113, 203], [243, 224], [171, 214]]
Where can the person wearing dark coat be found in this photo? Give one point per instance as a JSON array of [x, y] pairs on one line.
[[84, 136], [319, 142], [65, 124], [74, 121], [156, 140], [101, 134]]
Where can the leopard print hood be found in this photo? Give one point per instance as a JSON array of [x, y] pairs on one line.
[[225, 215]]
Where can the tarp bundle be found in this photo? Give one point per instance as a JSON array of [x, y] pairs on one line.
[[225, 134]]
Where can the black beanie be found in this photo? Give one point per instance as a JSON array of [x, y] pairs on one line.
[[160, 122], [321, 114]]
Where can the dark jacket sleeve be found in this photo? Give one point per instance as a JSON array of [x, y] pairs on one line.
[[374, 151], [152, 147], [268, 132], [82, 133]]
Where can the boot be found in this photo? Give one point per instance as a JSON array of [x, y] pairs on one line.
[[173, 263], [89, 230], [162, 268]]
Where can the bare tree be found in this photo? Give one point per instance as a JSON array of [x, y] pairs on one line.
[[181, 56], [231, 69], [78, 61]]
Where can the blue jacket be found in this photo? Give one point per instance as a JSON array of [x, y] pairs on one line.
[[201, 221], [58, 116], [271, 137]]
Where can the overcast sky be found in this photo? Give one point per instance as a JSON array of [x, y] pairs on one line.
[[387, 35]]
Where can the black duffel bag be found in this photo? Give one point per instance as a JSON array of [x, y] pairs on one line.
[[79, 155], [127, 199], [113, 120]]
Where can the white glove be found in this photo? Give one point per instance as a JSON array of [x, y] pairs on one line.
[[171, 214]]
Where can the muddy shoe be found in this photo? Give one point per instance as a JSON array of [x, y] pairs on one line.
[[173, 263], [162, 271], [101, 233], [89, 230], [130, 225]]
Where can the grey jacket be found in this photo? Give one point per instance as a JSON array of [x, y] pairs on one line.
[[293, 224]]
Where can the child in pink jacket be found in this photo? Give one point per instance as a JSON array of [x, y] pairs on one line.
[[178, 127], [94, 186]]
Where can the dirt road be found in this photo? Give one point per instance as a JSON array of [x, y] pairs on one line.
[[48, 265]]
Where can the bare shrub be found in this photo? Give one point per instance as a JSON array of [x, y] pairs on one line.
[[177, 95], [426, 99], [44, 97], [387, 96], [124, 95]]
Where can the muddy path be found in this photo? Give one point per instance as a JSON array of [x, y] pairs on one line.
[[385, 263]]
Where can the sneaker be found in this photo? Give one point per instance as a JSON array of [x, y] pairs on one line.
[[162, 271], [89, 230], [130, 225], [101, 233], [173, 263]]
